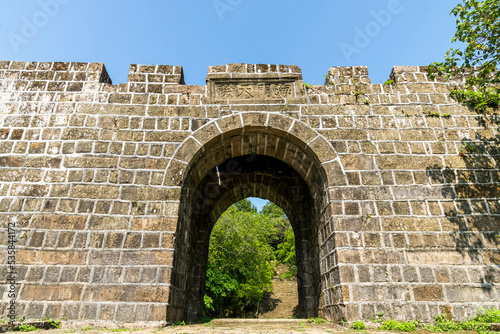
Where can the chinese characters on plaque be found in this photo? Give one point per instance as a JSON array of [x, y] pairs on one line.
[[248, 91]]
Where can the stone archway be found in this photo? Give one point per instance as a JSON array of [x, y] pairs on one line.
[[249, 155]]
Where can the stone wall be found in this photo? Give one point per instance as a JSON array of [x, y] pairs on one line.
[[112, 190]]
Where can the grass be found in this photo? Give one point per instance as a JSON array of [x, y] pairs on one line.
[[479, 323], [27, 328], [56, 324], [489, 316], [358, 325], [317, 321], [400, 326]]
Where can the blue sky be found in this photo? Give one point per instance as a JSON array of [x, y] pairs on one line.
[[314, 34]]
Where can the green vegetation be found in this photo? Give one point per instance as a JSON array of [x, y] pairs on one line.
[[27, 328], [179, 323], [242, 245], [4, 320], [358, 325], [307, 85], [285, 253], [468, 148], [445, 325], [378, 318], [433, 114], [478, 28], [285, 107], [118, 330], [317, 321], [389, 82], [394, 325], [489, 316], [86, 328], [484, 100], [479, 323], [55, 324], [437, 114]]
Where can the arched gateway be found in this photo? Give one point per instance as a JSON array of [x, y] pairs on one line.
[[108, 193], [251, 154]]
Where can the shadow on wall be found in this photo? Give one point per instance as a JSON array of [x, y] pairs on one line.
[[471, 180]]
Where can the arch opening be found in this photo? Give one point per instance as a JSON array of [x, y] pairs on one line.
[[227, 170], [251, 268]]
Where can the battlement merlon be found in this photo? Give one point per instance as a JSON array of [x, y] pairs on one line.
[[53, 76], [163, 79]]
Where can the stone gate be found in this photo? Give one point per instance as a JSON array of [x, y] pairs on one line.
[[109, 192]]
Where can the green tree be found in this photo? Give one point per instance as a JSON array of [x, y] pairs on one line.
[[280, 220], [284, 243], [245, 206], [243, 245], [242, 249], [273, 211], [478, 28], [239, 269], [285, 252]]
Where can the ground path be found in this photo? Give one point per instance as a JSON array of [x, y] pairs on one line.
[[284, 298], [247, 327]]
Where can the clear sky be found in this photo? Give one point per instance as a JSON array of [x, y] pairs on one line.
[[314, 34]]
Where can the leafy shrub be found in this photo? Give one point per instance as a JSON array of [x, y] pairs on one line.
[[318, 321], [27, 328], [358, 325], [378, 318], [394, 325], [443, 325], [490, 316], [179, 323], [482, 100], [55, 324]]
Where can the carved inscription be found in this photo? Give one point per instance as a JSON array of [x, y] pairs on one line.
[[249, 91]]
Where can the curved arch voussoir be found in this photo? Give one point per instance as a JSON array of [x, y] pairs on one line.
[[229, 123], [187, 150], [207, 133], [322, 149]]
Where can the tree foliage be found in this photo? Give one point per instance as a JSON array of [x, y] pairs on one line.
[[285, 252], [478, 27], [245, 206], [239, 269]]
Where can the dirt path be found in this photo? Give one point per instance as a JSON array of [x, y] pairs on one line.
[[284, 298]]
